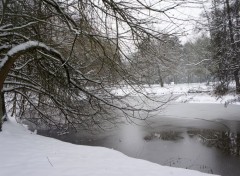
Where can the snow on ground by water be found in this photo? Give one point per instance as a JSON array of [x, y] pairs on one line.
[[207, 98], [24, 153], [185, 93]]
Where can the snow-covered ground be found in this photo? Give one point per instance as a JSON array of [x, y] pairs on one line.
[[24, 153], [185, 93]]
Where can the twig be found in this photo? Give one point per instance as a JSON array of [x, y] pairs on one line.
[[49, 161]]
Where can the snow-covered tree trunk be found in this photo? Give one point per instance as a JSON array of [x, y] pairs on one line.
[[2, 110], [9, 59], [3, 74]]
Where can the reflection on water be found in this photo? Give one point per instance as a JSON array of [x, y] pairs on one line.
[[164, 135], [226, 141], [205, 150], [187, 141]]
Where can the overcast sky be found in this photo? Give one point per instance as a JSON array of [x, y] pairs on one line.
[[190, 15]]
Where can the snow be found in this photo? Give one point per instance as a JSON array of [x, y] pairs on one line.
[[25, 153], [184, 93], [206, 98], [157, 90], [23, 47]]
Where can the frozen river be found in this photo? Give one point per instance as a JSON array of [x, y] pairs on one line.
[[204, 137]]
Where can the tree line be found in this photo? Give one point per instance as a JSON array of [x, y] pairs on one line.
[[211, 57]]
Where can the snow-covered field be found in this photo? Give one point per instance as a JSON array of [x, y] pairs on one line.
[[185, 93], [23, 153]]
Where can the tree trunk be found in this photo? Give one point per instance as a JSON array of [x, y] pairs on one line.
[[26, 47], [233, 45], [1, 113], [236, 72], [2, 110], [3, 74], [161, 81], [236, 77], [160, 77]]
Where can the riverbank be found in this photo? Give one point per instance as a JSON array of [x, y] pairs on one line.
[[183, 93], [25, 153]]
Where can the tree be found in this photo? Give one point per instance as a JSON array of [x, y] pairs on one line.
[[224, 31], [196, 60], [51, 51], [157, 60]]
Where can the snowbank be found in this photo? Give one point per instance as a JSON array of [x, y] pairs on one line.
[[24, 153], [157, 90], [185, 93], [208, 98]]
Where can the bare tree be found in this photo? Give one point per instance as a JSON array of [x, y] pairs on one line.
[[157, 60], [57, 57]]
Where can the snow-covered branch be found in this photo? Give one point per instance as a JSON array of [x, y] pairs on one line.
[[25, 47], [198, 63]]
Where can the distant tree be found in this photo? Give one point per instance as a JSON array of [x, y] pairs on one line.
[[196, 60], [157, 60]]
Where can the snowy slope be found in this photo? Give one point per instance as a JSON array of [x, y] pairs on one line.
[[23, 153]]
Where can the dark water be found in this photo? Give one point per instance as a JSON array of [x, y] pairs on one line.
[[204, 137]]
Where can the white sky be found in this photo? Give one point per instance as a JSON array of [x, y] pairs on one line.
[[180, 21], [190, 15]]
